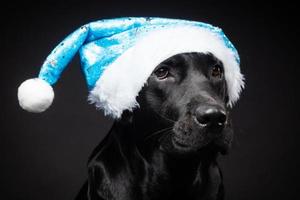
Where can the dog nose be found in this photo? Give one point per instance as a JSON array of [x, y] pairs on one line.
[[212, 116]]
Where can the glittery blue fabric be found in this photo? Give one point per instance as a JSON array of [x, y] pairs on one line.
[[100, 43]]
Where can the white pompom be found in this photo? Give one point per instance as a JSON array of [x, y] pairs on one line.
[[35, 95]]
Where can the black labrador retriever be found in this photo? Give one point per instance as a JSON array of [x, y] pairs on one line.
[[167, 148]]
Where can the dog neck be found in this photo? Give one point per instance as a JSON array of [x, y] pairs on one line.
[[127, 152]]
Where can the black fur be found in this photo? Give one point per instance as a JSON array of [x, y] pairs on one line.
[[167, 148]]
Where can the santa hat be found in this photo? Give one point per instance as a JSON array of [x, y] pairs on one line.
[[118, 56]]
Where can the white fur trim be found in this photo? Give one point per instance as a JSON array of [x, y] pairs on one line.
[[120, 83], [35, 95]]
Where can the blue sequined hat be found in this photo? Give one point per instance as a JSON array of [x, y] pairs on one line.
[[118, 56]]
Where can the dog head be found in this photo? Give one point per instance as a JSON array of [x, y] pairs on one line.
[[188, 93]]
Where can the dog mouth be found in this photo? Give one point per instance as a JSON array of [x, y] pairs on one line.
[[185, 145], [179, 143], [211, 146], [186, 137], [198, 144]]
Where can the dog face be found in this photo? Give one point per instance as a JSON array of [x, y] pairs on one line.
[[189, 90]]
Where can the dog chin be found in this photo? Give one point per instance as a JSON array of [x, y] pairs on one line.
[[221, 146], [183, 148], [172, 145]]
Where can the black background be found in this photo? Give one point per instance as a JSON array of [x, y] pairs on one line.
[[43, 156]]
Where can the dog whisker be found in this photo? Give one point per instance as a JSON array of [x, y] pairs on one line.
[[164, 117], [167, 133], [165, 130]]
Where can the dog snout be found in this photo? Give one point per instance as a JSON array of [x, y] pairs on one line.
[[211, 116]]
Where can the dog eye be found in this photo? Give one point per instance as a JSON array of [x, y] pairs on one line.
[[162, 73], [217, 71]]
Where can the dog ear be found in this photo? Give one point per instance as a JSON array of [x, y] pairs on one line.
[[127, 117], [226, 99], [225, 92]]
